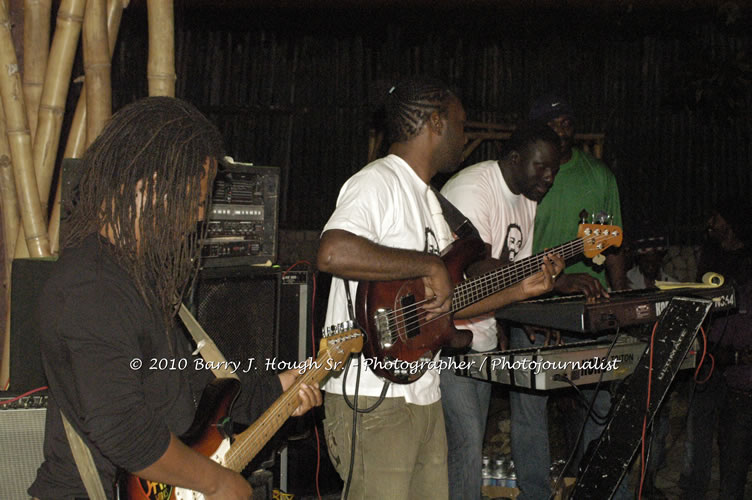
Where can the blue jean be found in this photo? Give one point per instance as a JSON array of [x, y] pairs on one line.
[[705, 402], [529, 419], [465, 401], [735, 443]]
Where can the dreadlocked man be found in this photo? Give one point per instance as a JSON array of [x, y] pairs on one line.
[[388, 225], [130, 250]]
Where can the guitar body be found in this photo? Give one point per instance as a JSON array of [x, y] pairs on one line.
[[205, 436], [211, 429], [396, 331]]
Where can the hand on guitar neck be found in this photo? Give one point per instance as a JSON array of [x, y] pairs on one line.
[[309, 395], [532, 286]]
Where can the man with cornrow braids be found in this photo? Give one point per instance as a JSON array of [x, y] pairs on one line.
[[386, 226], [130, 251]]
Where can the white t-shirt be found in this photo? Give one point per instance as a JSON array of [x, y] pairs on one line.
[[504, 220], [385, 202]]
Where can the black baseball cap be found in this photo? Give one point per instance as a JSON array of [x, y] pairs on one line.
[[548, 107]]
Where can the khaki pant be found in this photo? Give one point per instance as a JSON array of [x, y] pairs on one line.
[[400, 453]]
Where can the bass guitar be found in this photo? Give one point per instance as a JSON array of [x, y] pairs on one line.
[[208, 434], [401, 340]]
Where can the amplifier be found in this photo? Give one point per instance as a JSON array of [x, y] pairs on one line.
[[243, 220], [21, 439]]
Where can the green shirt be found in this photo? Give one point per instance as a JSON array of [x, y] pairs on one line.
[[582, 183]]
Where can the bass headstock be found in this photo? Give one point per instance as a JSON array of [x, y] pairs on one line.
[[598, 237]]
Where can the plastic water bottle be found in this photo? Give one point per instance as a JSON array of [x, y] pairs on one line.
[[511, 474], [499, 472], [485, 471]]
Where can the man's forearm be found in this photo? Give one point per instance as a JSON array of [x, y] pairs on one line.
[[616, 270], [346, 255]]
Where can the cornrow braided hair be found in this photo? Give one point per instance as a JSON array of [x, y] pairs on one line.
[[163, 143], [410, 102]]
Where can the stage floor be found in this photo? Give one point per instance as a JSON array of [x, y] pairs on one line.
[[497, 442]]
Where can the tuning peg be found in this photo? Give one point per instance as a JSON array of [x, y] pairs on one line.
[[599, 259], [583, 216], [601, 217]]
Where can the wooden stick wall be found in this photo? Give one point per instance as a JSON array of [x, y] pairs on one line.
[[299, 98]]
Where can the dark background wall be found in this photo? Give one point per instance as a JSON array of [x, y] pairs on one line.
[[292, 87]]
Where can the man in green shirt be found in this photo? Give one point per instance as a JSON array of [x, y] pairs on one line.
[[583, 183]]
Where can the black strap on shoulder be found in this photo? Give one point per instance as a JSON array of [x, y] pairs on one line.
[[458, 223]]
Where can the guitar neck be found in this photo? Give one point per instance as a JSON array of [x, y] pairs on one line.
[[249, 442], [476, 289]]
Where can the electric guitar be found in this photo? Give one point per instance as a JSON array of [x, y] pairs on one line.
[[403, 342], [209, 435]]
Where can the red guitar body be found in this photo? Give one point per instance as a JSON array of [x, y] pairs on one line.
[[397, 335], [205, 436]]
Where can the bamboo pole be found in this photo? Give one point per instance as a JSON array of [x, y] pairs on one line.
[[77, 140], [161, 64], [97, 67], [36, 48], [8, 197], [54, 92], [10, 232], [17, 129], [19, 141]]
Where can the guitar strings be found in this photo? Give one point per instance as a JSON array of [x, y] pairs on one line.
[[515, 272], [506, 275], [479, 288], [250, 437]]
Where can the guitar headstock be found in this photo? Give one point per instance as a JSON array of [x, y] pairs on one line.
[[341, 340], [599, 237]]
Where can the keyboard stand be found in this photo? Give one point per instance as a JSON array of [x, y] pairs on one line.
[[607, 460]]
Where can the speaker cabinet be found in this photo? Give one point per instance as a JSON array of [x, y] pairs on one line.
[[295, 315], [21, 442], [255, 313], [28, 277]]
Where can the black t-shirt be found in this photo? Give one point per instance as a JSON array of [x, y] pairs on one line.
[[95, 329]]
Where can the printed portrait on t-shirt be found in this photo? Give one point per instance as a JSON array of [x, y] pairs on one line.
[[432, 243], [512, 243]]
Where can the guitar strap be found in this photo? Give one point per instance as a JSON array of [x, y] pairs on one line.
[[81, 452], [205, 345], [84, 462], [459, 224]]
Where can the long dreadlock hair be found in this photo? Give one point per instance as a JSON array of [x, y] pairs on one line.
[[409, 103], [163, 143]]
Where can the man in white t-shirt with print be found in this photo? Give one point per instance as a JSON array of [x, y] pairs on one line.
[[385, 227], [500, 199]]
